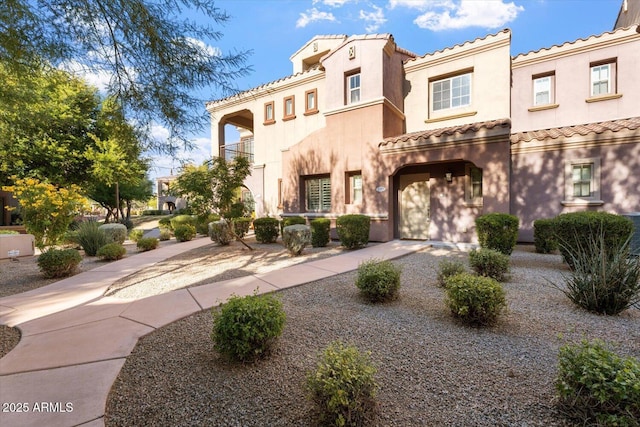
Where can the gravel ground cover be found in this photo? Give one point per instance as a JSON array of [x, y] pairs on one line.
[[432, 370]]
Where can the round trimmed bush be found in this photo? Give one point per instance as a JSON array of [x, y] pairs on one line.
[[378, 280], [115, 233], [147, 244], [498, 231], [182, 220], [544, 236], [489, 263], [245, 328], [184, 232], [136, 234], [343, 387], [353, 230], [55, 263], [241, 226], [476, 300], [296, 237], [266, 229], [165, 223], [448, 268], [111, 252], [220, 232], [320, 228], [202, 222], [165, 235]]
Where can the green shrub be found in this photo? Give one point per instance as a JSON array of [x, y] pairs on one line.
[[604, 280], [497, 231], [136, 234], [220, 232], [579, 229], [448, 268], [378, 280], [237, 210], [598, 387], [55, 263], [292, 220], [296, 237], [353, 230], [165, 223], [91, 237], [266, 229], [164, 235], [8, 232], [126, 222], [155, 212], [320, 228], [183, 219], [111, 252], [476, 300], [147, 243], [184, 232], [489, 263], [202, 223], [343, 387], [241, 226], [544, 236], [115, 233], [244, 328]]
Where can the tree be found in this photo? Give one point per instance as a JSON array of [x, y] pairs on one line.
[[103, 194], [156, 58]]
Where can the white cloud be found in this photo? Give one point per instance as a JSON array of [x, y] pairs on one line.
[[332, 3], [470, 13], [212, 51], [312, 15], [99, 79], [374, 19], [420, 4]]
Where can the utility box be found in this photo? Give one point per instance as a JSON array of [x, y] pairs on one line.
[[635, 237]]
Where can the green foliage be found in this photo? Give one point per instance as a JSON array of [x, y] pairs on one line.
[[128, 224], [115, 232], [378, 280], [579, 229], [544, 236], [111, 252], [244, 328], [343, 387], [55, 263], [164, 235], [241, 226], [320, 228], [266, 229], [498, 231], [237, 210], [598, 387], [604, 279], [153, 212], [476, 300], [202, 222], [220, 232], [136, 234], [165, 223], [47, 210], [489, 263], [183, 219], [184, 232], [296, 237], [353, 230], [91, 237], [8, 232], [147, 243], [448, 268]]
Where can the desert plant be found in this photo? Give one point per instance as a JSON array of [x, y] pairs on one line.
[[220, 232], [241, 226], [378, 280], [448, 268], [111, 252], [147, 243], [604, 279], [497, 231], [296, 237], [115, 232], [184, 232], [578, 229], [343, 386], [489, 263], [202, 222], [292, 220], [245, 328], [164, 235], [353, 230], [320, 228], [55, 263], [266, 229], [91, 237], [544, 236], [598, 387], [165, 223], [476, 300], [183, 219], [136, 234], [126, 222]]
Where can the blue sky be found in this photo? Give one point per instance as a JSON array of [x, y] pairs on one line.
[[275, 29]]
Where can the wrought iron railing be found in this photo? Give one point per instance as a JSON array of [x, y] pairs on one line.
[[243, 148]]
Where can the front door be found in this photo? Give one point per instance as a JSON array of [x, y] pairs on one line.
[[414, 206]]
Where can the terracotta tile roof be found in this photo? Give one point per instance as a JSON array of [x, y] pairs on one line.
[[632, 123], [447, 131]]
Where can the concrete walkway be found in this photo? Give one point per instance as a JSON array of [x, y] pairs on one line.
[[75, 341]]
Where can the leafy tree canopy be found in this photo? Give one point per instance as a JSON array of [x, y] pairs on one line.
[[157, 59]]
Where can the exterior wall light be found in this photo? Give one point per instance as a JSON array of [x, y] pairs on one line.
[[448, 176]]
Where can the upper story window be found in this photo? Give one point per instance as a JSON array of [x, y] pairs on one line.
[[311, 101], [603, 78], [543, 90], [269, 116], [353, 88], [289, 108], [452, 92]]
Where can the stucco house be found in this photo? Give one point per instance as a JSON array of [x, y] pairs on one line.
[[425, 144]]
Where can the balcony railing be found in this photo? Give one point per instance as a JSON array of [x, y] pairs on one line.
[[243, 148]]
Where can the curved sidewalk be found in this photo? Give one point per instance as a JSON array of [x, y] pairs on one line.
[[74, 341]]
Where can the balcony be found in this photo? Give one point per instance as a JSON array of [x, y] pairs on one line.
[[243, 148]]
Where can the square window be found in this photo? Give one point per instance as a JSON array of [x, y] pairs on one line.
[[452, 92], [318, 194], [582, 182]]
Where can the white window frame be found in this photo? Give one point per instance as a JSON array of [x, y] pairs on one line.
[[543, 85], [323, 202], [594, 196], [596, 78], [354, 93], [451, 83], [470, 183]]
